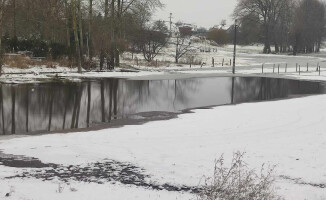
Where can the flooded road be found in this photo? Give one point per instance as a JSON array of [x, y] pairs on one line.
[[49, 107]]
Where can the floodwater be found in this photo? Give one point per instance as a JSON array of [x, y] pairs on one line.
[[65, 106]]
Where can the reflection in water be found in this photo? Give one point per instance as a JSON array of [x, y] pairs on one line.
[[34, 108]]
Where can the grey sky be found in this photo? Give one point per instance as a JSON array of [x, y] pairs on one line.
[[200, 12]]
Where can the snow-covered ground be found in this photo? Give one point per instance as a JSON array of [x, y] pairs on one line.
[[39, 190], [249, 61], [289, 134]]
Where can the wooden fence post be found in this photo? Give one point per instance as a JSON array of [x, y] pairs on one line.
[[278, 69], [262, 68], [213, 62], [299, 69], [307, 67], [223, 62], [296, 67], [286, 67]]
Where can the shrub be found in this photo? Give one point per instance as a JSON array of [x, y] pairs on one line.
[[238, 182], [38, 47], [58, 50], [219, 36], [17, 61]]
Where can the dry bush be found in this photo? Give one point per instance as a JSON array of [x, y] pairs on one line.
[[23, 62], [88, 64], [16, 61], [157, 63], [154, 63], [191, 58], [238, 182], [65, 62], [49, 63]]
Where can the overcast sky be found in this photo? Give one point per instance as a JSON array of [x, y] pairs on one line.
[[206, 13]]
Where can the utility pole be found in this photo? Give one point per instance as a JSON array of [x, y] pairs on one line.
[[170, 24], [235, 45]]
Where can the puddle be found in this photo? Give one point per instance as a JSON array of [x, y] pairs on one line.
[[65, 106]]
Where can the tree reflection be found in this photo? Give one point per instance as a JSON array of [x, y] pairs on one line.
[[34, 108], [258, 89]]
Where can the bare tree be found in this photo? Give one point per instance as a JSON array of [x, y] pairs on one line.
[[308, 26], [119, 8], [154, 40], [268, 12], [183, 46]]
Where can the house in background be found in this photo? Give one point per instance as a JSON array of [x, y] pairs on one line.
[[185, 29]]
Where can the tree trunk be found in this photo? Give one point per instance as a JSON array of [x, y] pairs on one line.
[[90, 20], [113, 34], [1, 19], [277, 48], [101, 59], [267, 47], [118, 25], [106, 8], [67, 24], [81, 35], [177, 51], [74, 22], [14, 19], [295, 45]]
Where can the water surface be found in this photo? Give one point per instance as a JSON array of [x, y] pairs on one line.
[[57, 106]]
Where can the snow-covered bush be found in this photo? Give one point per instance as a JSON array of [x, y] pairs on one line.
[[238, 182], [192, 58]]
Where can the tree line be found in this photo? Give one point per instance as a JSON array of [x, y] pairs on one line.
[[78, 29], [288, 25]]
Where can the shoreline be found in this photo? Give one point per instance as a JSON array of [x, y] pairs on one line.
[[159, 75]]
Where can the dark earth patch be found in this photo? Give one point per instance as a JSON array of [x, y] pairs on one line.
[[99, 172]]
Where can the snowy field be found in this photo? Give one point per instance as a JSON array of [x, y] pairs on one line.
[[249, 61], [289, 134]]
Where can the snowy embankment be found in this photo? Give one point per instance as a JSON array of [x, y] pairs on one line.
[[249, 61], [290, 134]]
